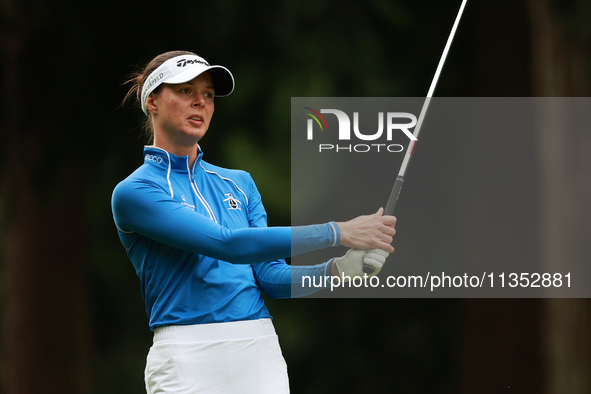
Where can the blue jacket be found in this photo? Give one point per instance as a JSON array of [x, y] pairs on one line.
[[199, 242]]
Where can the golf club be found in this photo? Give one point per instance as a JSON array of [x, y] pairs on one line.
[[397, 188]]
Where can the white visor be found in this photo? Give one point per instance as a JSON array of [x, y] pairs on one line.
[[183, 69]]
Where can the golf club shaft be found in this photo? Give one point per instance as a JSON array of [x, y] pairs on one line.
[[397, 188]]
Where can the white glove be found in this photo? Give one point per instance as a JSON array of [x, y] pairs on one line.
[[375, 258], [351, 264]]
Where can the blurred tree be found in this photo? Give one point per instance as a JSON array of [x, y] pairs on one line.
[[46, 330], [561, 43], [501, 337], [535, 345]]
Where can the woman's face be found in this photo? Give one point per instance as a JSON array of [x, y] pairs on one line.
[[183, 111]]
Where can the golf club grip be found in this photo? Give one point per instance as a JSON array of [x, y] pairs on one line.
[[368, 269], [394, 195]]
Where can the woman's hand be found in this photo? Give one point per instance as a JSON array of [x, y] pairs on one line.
[[351, 264], [369, 231]]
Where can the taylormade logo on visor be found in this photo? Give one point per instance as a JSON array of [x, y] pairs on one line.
[[396, 122], [184, 62]]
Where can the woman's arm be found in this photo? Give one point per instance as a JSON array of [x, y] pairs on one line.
[[280, 280], [143, 207]]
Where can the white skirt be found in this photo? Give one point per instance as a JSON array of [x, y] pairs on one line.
[[222, 358]]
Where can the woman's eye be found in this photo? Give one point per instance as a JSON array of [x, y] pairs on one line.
[[208, 95], [185, 90]]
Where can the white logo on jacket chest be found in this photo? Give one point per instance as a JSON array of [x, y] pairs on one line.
[[186, 204], [232, 202]]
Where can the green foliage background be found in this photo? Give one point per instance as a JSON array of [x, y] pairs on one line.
[[80, 53]]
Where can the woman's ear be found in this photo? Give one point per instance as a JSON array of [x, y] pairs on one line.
[[151, 105]]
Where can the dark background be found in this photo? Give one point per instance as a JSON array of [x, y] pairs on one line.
[[73, 320]]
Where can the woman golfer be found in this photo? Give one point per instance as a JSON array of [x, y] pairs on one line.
[[197, 236]]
